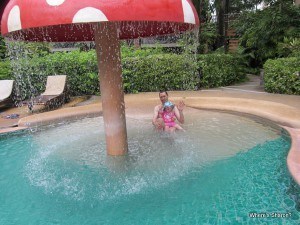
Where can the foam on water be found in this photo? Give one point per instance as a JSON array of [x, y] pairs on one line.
[[201, 175], [154, 159]]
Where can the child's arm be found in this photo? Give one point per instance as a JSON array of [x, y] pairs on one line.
[[178, 112]]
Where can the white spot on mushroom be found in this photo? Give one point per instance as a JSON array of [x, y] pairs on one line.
[[55, 2], [89, 14], [188, 13], [14, 19]]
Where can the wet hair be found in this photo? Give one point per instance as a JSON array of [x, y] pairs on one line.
[[163, 91]]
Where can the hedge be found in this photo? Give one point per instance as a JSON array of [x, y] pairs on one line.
[[81, 68], [151, 73], [5, 70], [282, 76], [218, 70], [142, 72], [158, 72]]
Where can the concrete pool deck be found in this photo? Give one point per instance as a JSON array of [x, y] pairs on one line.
[[247, 98]]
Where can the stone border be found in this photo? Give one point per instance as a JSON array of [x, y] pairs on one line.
[[293, 158], [60, 115]]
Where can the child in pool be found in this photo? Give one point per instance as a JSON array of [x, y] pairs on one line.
[[169, 118]]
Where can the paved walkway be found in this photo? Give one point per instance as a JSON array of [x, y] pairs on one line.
[[247, 98]]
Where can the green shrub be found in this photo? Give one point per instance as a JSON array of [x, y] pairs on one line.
[[157, 72], [282, 76], [142, 71], [81, 68], [146, 73], [5, 70], [220, 70], [137, 52]]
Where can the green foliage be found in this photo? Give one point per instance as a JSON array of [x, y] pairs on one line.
[[289, 47], [27, 49], [262, 31], [143, 70], [207, 37], [2, 48], [81, 68], [282, 76], [140, 73], [127, 51], [5, 70], [220, 70], [211, 38], [157, 72], [237, 6], [207, 34]]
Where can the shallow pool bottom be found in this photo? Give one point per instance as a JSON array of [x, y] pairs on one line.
[[221, 170]]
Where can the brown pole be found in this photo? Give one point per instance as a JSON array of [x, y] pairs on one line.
[[111, 87]]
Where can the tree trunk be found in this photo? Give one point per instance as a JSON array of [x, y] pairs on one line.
[[220, 23], [226, 24], [222, 10]]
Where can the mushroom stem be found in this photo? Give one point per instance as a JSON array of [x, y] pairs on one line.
[[111, 87]]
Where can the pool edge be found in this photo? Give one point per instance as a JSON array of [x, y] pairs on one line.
[[293, 158], [283, 115]]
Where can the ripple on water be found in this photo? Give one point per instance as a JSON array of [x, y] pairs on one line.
[[154, 159], [223, 167]]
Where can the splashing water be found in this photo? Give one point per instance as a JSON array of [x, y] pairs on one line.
[[224, 167]]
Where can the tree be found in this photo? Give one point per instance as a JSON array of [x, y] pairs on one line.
[[262, 31], [213, 32], [2, 48], [207, 32]]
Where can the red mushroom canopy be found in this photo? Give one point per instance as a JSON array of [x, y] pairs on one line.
[[72, 20]]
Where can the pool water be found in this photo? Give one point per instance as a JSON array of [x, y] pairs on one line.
[[222, 170]]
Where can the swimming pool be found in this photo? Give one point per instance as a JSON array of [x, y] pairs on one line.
[[226, 169]]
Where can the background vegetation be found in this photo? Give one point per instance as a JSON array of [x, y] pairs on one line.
[[150, 70], [269, 38], [270, 33], [282, 76]]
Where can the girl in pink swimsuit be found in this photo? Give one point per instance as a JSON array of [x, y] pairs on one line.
[[169, 117]]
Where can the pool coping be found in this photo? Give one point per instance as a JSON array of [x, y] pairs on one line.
[[293, 158], [287, 116]]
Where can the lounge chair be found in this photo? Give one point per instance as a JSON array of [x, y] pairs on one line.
[[6, 93], [54, 95]]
